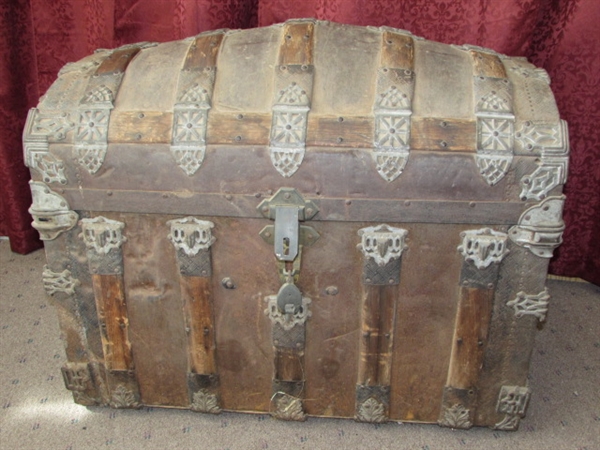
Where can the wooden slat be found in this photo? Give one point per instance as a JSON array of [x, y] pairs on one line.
[[238, 129], [112, 314], [289, 364], [117, 62], [470, 333], [439, 134], [297, 45], [487, 65], [368, 363], [143, 127], [197, 306], [397, 50], [203, 51], [389, 295], [346, 132]]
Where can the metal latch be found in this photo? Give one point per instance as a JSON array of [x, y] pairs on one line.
[[288, 208]]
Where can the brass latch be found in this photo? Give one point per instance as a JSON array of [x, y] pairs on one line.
[[288, 208]]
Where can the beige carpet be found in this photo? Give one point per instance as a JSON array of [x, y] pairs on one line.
[[36, 412]]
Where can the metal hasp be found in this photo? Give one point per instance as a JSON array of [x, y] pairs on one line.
[[287, 208]]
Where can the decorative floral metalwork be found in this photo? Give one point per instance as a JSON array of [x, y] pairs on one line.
[[191, 235], [495, 134], [483, 247], [190, 126], [189, 158], [204, 401], [101, 94], [293, 95], [493, 102], [288, 128], [392, 131], [123, 398], [531, 305], [371, 410], [287, 320], [102, 235], [394, 98], [382, 243], [287, 160], [59, 282], [456, 416], [93, 126], [195, 94], [288, 408], [91, 156], [512, 402]]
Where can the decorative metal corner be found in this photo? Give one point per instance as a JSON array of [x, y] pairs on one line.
[[456, 416], [50, 212], [540, 227], [59, 282], [287, 320], [531, 305], [205, 402], [191, 235], [483, 247], [39, 128], [512, 402], [101, 235], [553, 141], [382, 243], [122, 398], [287, 407]]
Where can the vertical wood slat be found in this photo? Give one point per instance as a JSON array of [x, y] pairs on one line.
[[470, 333], [112, 313], [370, 332], [204, 51], [198, 310], [297, 46], [389, 296]]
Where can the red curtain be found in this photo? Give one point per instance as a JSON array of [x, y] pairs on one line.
[[38, 37]]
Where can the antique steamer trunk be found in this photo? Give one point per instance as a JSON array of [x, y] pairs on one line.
[[308, 219]]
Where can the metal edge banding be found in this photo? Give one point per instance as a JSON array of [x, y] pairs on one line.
[[392, 106], [292, 97], [90, 139], [493, 108], [193, 100], [103, 239], [332, 209]]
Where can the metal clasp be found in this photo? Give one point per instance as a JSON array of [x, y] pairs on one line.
[[288, 208]]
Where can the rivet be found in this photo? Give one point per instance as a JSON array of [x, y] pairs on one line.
[[390, 281], [366, 334], [240, 116], [407, 203], [480, 342], [238, 138], [258, 195], [287, 195], [443, 144], [459, 341], [339, 140], [276, 341], [267, 234], [141, 115], [472, 204], [228, 197], [265, 209], [165, 195], [340, 119], [109, 193], [138, 136], [228, 283], [331, 290], [206, 331], [348, 202], [387, 335], [490, 285], [368, 280], [443, 124], [298, 345]]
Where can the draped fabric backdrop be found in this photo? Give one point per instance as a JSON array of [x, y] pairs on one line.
[[37, 37]]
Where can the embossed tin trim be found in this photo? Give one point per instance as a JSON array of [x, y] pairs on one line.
[[382, 243], [102, 235], [59, 282], [38, 129], [50, 211], [287, 407], [512, 402], [191, 235], [531, 305], [456, 416], [540, 227], [483, 247], [287, 321]]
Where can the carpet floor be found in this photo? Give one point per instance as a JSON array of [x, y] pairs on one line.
[[37, 412]]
